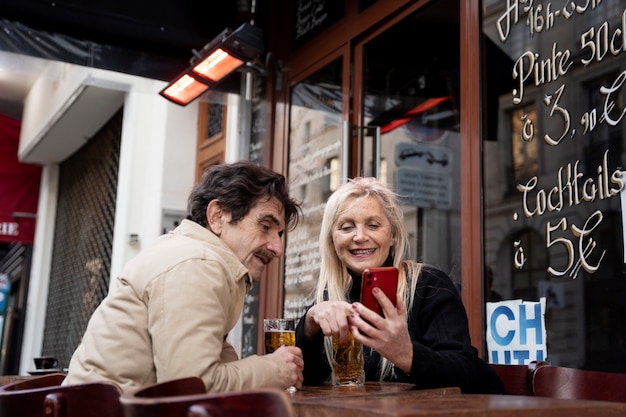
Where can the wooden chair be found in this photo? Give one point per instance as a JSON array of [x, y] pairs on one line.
[[179, 398], [44, 396], [517, 379], [182, 386], [95, 399], [571, 383]]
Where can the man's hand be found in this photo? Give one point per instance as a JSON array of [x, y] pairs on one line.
[[293, 357]]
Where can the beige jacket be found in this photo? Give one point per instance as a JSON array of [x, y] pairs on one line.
[[168, 316]]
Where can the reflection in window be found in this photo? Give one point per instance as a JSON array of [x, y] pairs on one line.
[[315, 148], [332, 180], [382, 172], [307, 132], [335, 173], [524, 280], [302, 192], [525, 152], [610, 11], [416, 148]]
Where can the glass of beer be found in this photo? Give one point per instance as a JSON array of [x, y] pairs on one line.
[[279, 332], [348, 362]]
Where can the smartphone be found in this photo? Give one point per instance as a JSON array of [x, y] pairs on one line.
[[385, 278]]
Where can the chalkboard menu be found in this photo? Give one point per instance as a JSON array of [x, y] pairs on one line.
[[258, 120], [313, 16], [555, 80]]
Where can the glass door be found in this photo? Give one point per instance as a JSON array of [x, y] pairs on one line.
[[385, 106], [317, 165], [408, 117]]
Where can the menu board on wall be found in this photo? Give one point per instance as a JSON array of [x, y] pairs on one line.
[[313, 16], [258, 120]]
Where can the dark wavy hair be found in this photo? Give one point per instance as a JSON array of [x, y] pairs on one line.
[[238, 187]]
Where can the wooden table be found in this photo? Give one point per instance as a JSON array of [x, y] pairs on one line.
[[403, 400], [371, 389]]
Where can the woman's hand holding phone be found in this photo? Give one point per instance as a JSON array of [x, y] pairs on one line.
[[388, 335], [385, 278]]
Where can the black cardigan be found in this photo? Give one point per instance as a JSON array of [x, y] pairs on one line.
[[442, 352]]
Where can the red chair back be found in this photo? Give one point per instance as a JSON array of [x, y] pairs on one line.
[[97, 399], [571, 383], [517, 379], [182, 386]]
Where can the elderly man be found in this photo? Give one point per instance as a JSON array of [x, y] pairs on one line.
[[173, 305]]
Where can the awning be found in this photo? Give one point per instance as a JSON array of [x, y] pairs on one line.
[[19, 187]]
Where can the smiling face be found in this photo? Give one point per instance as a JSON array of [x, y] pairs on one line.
[[362, 234], [256, 239]]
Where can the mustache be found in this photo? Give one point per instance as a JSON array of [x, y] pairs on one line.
[[266, 255]]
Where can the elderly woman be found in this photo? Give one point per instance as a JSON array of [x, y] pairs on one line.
[[423, 339]]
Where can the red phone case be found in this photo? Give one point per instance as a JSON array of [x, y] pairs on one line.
[[385, 278]]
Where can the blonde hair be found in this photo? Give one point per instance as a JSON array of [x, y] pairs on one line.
[[334, 281]]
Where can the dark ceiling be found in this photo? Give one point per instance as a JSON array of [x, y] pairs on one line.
[[141, 37]]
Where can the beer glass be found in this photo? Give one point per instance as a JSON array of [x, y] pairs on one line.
[[279, 332], [348, 366]]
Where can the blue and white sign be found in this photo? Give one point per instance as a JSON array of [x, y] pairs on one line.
[[516, 331]]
